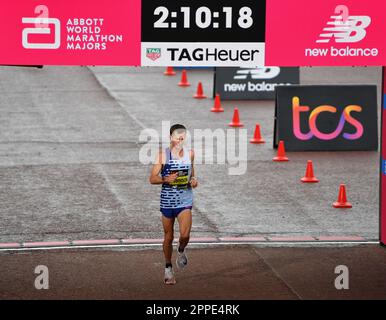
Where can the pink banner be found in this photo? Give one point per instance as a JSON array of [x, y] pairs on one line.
[[325, 33], [71, 32], [383, 164]]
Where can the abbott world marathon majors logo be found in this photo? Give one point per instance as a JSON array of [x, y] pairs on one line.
[[343, 28], [79, 33]]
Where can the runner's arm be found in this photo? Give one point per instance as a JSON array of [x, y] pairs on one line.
[[155, 177], [193, 179]]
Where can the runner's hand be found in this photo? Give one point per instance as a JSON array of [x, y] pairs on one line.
[[193, 183], [170, 178]]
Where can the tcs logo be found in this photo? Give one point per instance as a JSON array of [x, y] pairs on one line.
[[314, 131]]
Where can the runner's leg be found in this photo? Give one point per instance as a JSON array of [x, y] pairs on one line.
[[168, 225], [185, 224]]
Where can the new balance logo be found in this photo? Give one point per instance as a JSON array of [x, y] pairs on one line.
[[344, 28], [257, 73]]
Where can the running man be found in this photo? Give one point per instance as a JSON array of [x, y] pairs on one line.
[[174, 169]]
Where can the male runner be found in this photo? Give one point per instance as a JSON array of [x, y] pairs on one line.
[[174, 169]]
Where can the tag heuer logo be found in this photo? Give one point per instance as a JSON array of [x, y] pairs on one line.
[[153, 53]]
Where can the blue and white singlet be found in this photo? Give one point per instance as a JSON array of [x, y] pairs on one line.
[[178, 194]]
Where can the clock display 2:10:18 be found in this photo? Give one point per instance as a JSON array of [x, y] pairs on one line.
[[203, 18]]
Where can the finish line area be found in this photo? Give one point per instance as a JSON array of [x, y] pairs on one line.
[[189, 150], [70, 158], [175, 151], [203, 242]]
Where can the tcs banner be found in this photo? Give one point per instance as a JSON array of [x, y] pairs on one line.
[[327, 117], [326, 33], [70, 32]]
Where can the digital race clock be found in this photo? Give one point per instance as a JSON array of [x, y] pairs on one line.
[[221, 33]]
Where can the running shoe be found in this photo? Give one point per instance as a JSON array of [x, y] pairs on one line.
[[169, 276], [182, 259]]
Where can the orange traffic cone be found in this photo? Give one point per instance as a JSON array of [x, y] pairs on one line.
[[342, 198], [257, 136], [200, 92], [281, 153], [184, 80], [217, 104], [309, 177], [236, 119], [169, 72]]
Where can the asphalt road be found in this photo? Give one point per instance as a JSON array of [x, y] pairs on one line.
[[242, 272]]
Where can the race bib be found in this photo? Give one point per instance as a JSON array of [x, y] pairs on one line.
[[182, 178]]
